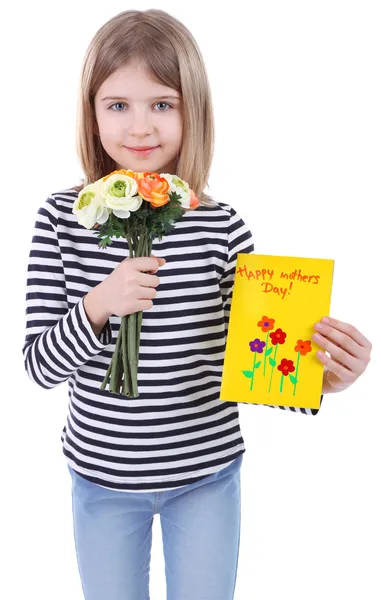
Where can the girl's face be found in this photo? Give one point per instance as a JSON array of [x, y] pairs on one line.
[[133, 110]]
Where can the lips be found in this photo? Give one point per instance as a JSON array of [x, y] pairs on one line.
[[141, 147]]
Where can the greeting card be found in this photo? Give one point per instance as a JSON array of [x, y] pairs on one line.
[[270, 356]]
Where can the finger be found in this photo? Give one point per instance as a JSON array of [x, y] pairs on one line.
[[160, 263], [339, 370], [342, 340], [147, 279], [348, 330], [338, 354]]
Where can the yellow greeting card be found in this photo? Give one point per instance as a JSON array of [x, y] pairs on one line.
[[270, 357]]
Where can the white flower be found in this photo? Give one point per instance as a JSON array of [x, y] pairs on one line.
[[180, 187], [119, 194], [89, 207]]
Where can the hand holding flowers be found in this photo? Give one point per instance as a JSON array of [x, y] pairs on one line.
[[139, 207]]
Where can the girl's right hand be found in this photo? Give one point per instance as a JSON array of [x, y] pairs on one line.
[[130, 287]]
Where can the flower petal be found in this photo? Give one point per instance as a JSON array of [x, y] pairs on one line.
[[121, 214]]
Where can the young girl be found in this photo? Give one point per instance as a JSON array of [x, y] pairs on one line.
[[176, 450]]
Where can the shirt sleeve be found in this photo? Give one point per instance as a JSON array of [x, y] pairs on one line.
[[240, 240], [58, 339]]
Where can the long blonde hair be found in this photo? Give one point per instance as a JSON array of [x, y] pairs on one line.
[[173, 58]]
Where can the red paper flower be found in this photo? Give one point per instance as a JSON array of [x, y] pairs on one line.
[[303, 347], [286, 366], [266, 324], [278, 337]]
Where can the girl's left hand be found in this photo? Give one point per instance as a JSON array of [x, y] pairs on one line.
[[350, 353]]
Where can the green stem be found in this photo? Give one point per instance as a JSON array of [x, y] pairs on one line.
[[125, 358], [252, 378], [272, 370], [115, 361], [296, 373], [281, 383], [126, 383], [106, 377], [119, 371], [264, 368]]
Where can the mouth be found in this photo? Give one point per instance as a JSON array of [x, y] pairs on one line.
[[142, 150]]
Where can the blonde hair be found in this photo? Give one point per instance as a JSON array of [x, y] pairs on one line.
[[173, 58]]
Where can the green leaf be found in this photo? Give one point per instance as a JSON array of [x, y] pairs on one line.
[[248, 374], [293, 379], [257, 364], [268, 351], [272, 362]]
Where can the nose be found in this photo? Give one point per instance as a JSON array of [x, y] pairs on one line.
[[139, 123]]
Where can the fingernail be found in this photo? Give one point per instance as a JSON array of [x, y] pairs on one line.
[[325, 320], [319, 326]]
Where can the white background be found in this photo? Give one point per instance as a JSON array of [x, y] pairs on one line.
[[297, 97]]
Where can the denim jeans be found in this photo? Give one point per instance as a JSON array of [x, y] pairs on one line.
[[200, 526]]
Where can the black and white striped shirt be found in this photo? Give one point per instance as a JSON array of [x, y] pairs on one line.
[[177, 431]]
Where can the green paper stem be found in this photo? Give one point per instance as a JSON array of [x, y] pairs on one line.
[[264, 368], [252, 378], [296, 374], [272, 369]]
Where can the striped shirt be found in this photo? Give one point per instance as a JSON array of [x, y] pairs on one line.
[[177, 431]]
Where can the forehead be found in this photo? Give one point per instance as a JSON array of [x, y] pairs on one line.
[[135, 81]]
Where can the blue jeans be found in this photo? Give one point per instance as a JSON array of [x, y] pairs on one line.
[[200, 526]]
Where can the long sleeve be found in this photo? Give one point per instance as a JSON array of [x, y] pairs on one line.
[[240, 240], [59, 339]]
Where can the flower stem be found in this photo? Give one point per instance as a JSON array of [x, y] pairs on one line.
[[264, 368], [252, 378], [115, 360], [123, 369], [281, 383], [126, 381], [272, 370], [296, 374], [106, 377]]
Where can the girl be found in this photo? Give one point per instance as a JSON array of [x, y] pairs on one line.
[[176, 450]]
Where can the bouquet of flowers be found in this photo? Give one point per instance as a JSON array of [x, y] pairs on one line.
[[139, 207]]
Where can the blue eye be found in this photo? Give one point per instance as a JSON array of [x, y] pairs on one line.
[[170, 106], [123, 104], [116, 103]]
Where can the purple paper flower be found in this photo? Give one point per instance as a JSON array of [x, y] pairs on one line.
[[257, 346]]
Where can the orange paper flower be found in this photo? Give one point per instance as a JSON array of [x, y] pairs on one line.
[[303, 347], [266, 324]]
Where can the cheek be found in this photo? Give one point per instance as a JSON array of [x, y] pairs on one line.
[[106, 123], [174, 129], [109, 131]]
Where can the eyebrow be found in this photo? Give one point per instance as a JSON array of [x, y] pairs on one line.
[[152, 98]]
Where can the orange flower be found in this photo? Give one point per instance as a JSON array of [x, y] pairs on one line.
[[193, 200], [266, 324], [303, 347], [121, 171], [153, 188], [137, 174]]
